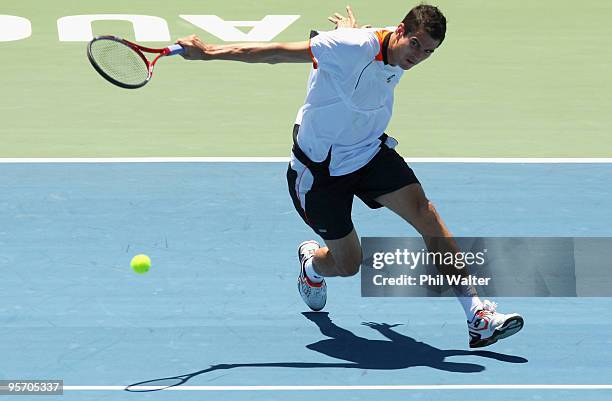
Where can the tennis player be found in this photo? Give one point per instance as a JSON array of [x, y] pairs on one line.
[[340, 149]]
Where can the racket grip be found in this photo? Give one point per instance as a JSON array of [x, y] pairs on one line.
[[175, 49]]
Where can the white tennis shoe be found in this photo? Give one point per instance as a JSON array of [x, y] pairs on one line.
[[313, 294], [487, 326]]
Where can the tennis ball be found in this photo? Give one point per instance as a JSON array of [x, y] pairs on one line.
[[141, 263]]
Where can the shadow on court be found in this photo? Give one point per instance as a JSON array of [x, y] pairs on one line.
[[397, 352]]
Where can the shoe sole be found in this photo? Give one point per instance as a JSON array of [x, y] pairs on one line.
[[510, 327]]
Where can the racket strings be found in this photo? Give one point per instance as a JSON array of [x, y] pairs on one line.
[[120, 62]]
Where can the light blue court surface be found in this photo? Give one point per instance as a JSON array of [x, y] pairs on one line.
[[222, 290]]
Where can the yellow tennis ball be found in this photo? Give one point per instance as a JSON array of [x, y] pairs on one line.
[[141, 264]]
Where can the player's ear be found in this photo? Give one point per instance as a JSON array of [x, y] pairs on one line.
[[401, 29]]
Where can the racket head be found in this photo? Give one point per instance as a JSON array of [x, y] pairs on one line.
[[119, 62]]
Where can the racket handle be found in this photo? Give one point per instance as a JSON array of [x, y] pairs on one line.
[[175, 49]]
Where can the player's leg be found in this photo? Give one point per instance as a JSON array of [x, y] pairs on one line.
[[324, 203], [485, 324], [390, 182], [411, 204], [340, 257]]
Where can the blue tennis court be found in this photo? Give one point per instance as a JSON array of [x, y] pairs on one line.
[[220, 306]]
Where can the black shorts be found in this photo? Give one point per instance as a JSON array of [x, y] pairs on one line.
[[325, 202]]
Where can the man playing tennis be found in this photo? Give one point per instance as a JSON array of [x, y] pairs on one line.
[[340, 149]]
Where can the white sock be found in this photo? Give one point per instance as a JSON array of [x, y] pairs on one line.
[[310, 271], [470, 305]]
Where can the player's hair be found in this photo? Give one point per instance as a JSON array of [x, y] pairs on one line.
[[427, 17]]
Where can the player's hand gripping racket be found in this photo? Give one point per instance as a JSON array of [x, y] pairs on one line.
[[123, 63]]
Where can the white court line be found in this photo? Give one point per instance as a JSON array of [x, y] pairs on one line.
[[353, 388], [499, 160]]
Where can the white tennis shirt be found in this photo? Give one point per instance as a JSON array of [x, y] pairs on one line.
[[349, 98]]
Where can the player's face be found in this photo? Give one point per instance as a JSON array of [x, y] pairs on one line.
[[411, 48]]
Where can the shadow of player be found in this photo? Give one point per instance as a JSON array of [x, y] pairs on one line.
[[398, 352]]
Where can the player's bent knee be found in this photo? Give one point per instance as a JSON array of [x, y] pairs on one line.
[[427, 218], [417, 206], [427, 209]]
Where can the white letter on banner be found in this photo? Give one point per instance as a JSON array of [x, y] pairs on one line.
[[263, 31], [14, 28], [77, 28]]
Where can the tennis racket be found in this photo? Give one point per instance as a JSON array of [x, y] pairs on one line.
[[123, 63]]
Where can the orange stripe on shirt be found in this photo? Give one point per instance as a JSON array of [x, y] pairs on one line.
[[381, 37], [314, 62]]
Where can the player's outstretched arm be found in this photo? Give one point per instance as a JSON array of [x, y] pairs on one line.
[[271, 53]]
